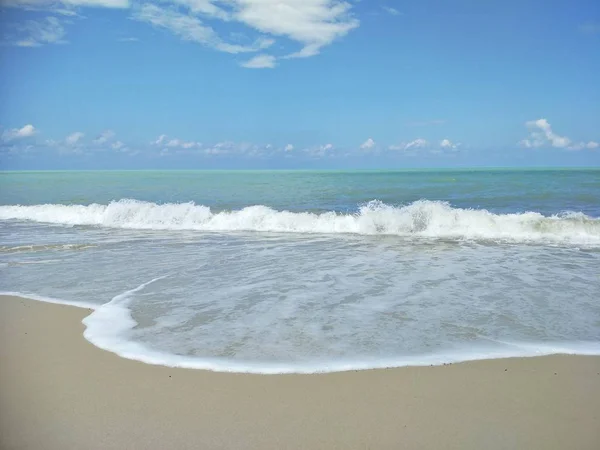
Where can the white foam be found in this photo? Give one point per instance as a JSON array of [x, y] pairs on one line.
[[427, 219], [139, 352], [108, 326], [41, 298]]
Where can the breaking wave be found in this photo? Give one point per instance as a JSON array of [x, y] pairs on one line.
[[423, 218]]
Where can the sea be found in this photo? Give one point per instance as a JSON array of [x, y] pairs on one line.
[[312, 271]]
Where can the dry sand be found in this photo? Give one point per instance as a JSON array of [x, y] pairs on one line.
[[57, 391]]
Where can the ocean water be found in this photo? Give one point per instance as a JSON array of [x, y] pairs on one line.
[[302, 272]]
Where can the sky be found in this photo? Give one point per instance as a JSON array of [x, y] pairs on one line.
[[308, 84]]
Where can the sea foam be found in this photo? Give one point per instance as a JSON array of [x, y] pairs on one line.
[[108, 325], [424, 218]]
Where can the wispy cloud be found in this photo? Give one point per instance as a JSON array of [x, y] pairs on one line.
[[53, 5], [591, 145], [260, 62], [313, 24], [191, 28], [104, 137], [390, 10], [74, 138], [35, 33], [423, 146], [71, 145], [416, 144], [590, 28], [51, 29], [75, 144], [164, 141]]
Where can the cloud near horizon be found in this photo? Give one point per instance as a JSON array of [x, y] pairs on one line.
[[542, 135], [368, 144], [19, 133]]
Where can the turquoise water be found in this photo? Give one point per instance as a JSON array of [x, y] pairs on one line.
[[503, 190], [303, 271]]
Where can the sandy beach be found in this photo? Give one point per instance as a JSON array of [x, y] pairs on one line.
[[57, 391]]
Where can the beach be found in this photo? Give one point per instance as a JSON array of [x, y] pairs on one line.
[[57, 391]]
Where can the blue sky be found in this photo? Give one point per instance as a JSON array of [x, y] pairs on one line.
[[299, 83]]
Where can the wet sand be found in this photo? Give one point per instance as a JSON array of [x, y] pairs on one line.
[[57, 391]]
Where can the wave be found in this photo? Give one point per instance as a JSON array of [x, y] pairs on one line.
[[423, 218]]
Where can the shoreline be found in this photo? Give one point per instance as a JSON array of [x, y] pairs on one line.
[[140, 353], [58, 391]]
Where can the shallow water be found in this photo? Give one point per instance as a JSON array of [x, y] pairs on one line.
[[312, 271]]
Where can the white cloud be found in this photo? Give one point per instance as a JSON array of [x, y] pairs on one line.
[[417, 143], [224, 148], [160, 139], [205, 8], [50, 29], [312, 23], [541, 135], [35, 33], [260, 62], [173, 143], [163, 140], [392, 11], [288, 148], [19, 133], [410, 146], [128, 39], [448, 144], [74, 144], [368, 144], [320, 151], [74, 138], [191, 28], [591, 145], [104, 137]]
